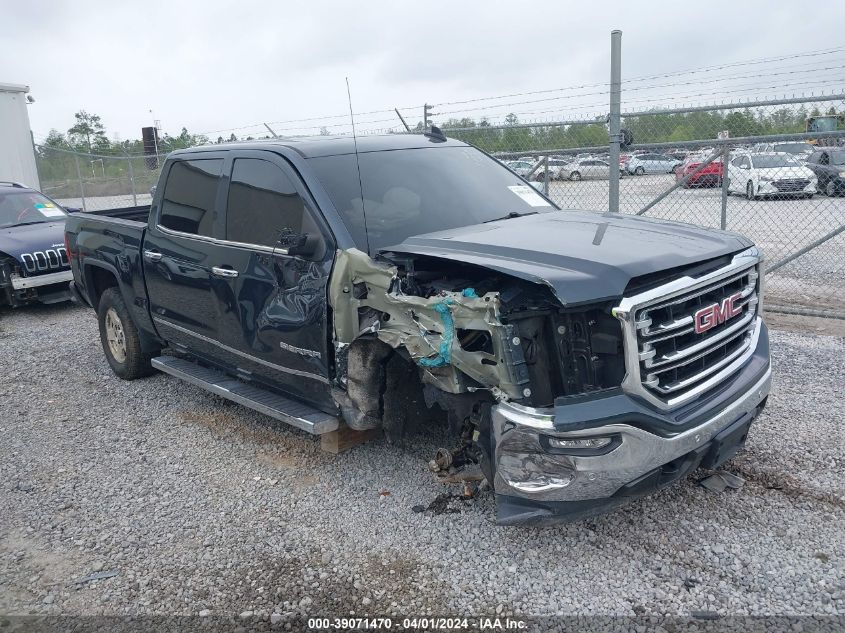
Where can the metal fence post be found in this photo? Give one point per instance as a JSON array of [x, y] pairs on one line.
[[132, 181], [546, 175], [615, 116], [81, 186], [726, 152]]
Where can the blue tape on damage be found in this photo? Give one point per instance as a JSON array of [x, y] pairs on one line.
[[444, 355]]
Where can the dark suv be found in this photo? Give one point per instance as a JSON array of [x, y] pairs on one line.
[[33, 260], [829, 165]]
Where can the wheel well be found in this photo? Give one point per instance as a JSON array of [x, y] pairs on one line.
[[100, 280]]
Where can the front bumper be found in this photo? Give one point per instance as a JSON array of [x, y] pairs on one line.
[[649, 449], [20, 283], [769, 188], [18, 291]]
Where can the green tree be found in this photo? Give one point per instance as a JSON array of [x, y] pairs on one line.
[[88, 133]]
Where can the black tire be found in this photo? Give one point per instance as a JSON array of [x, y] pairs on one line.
[[749, 191], [830, 188], [639, 171], [575, 175], [133, 363]]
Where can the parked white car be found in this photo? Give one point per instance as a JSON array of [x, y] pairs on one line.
[[770, 174], [652, 164]]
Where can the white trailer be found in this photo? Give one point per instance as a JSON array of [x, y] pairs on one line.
[[17, 154]]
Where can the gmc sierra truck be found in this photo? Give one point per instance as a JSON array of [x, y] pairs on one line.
[[582, 359]]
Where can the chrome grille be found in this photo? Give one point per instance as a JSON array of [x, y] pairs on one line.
[[673, 355], [791, 184], [687, 336], [48, 260]]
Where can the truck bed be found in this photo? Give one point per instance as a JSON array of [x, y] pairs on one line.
[[135, 214], [108, 246]]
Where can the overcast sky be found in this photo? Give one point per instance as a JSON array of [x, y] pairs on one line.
[[216, 66]]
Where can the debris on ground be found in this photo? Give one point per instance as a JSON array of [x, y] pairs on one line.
[[720, 480], [100, 575]]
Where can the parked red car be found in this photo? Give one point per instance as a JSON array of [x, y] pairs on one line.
[[710, 176]]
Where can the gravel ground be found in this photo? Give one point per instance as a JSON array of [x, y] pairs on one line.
[[199, 506]]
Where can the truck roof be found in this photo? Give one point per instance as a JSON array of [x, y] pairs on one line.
[[314, 146]]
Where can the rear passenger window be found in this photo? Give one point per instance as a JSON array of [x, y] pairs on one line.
[[263, 203], [188, 202]]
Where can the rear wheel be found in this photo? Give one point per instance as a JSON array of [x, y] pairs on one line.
[[830, 188], [639, 171], [575, 176], [120, 338]]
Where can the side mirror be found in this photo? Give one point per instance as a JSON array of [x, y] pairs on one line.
[[301, 245], [72, 209]]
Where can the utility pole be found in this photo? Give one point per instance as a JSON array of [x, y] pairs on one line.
[[615, 117], [427, 114]]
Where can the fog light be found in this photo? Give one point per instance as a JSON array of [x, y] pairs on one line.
[[580, 442]]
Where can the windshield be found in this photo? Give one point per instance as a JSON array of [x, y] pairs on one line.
[[414, 191], [765, 161], [794, 148], [27, 207]]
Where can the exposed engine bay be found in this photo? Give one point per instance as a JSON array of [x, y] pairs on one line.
[[474, 336]]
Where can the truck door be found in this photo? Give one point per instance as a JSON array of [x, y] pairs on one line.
[[178, 253], [273, 304]]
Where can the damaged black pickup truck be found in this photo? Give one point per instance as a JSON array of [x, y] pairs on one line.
[[583, 358]]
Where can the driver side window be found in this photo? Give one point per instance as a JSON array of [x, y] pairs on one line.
[[263, 204]]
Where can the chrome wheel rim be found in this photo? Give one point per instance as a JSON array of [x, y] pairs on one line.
[[115, 336]]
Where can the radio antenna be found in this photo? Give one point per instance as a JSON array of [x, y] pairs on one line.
[[358, 164]]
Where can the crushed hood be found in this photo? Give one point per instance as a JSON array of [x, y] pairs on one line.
[[16, 240], [582, 256]]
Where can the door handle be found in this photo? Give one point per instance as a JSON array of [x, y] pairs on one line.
[[217, 271], [152, 256]]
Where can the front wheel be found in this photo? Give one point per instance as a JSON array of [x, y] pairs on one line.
[[575, 176], [749, 191], [120, 338]]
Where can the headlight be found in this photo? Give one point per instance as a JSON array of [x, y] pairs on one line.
[[842, 174], [766, 178]]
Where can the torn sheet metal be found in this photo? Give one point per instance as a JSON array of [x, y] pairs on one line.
[[426, 327]]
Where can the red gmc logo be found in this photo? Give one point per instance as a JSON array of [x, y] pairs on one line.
[[714, 315]]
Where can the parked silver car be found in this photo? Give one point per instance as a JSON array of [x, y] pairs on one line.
[[799, 150], [520, 167], [556, 167], [652, 164], [587, 168]]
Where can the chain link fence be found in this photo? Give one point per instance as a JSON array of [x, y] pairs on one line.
[[93, 182], [772, 170]]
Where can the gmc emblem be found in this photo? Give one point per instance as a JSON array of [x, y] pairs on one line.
[[718, 313]]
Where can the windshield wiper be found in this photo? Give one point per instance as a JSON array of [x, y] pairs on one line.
[[8, 226], [512, 214]]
